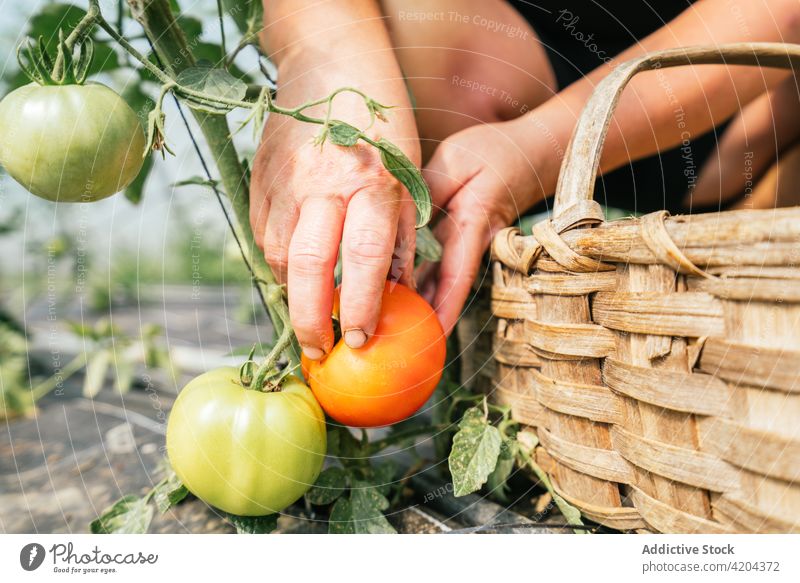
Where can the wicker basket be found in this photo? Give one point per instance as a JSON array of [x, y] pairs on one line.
[[656, 360]]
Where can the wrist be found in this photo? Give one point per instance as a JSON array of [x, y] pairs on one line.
[[544, 139], [539, 154], [296, 87]]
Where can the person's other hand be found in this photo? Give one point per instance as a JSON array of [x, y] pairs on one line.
[[480, 182]]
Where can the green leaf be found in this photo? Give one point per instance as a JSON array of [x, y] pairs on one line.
[[196, 181], [12, 332], [428, 247], [81, 329], [105, 59], [14, 400], [96, 370], [329, 486], [473, 457], [50, 18], [254, 524], [211, 53], [104, 329], [497, 481], [16, 397], [46, 24], [129, 515], [367, 505], [333, 440], [125, 373], [170, 492], [347, 446], [214, 82], [528, 441], [341, 519], [382, 476], [243, 12], [396, 162], [141, 103], [9, 224], [343, 134], [572, 514], [192, 28], [401, 435], [135, 190]]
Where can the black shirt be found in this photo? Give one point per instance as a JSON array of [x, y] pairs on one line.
[[581, 34], [578, 36]]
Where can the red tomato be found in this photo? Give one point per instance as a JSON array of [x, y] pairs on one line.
[[392, 375]]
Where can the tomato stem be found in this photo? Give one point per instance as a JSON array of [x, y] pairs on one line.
[[82, 29], [275, 299], [403, 435], [154, 489], [123, 42]]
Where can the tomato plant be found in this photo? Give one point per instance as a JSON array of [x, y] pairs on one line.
[[246, 451], [65, 141], [390, 377]]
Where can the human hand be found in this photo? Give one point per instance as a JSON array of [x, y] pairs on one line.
[[756, 138], [306, 201], [481, 180]]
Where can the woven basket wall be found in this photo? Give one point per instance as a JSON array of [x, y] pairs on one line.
[[656, 360]]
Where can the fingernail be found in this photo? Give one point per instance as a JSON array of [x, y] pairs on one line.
[[355, 338], [313, 352]]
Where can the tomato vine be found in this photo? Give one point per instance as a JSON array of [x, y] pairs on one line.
[[485, 439], [213, 91]]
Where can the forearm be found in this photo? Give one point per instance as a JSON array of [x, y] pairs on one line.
[[661, 109], [321, 46]]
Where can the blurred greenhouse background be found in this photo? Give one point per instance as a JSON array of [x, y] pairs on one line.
[[157, 237], [164, 271]]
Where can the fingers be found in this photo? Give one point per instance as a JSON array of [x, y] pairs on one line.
[[464, 243], [402, 269], [273, 217], [367, 245], [425, 276], [464, 233], [280, 226], [259, 204], [312, 257]]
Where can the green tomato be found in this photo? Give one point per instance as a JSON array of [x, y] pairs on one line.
[[70, 143], [244, 451]]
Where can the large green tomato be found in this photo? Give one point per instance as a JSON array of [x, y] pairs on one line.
[[244, 451], [70, 143]]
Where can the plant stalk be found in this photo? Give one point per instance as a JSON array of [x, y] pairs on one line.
[[403, 435], [170, 45]]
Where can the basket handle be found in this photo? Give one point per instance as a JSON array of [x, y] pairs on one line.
[[579, 169]]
